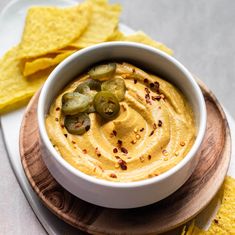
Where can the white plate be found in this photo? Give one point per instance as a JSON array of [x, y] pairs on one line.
[[11, 26]]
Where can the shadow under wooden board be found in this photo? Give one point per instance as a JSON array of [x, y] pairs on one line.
[[163, 216]]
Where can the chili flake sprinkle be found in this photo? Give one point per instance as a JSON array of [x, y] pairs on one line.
[[154, 126], [159, 123], [149, 157], [146, 80], [62, 126], [115, 150], [97, 152], [119, 142], [151, 133], [124, 150], [84, 151], [66, 135], [147, 90], [122, 164], [73, 142], [114, 132], [57, 109], [157, 97], [142, 129], [57, 119], [182, 143], [112, 175], [133, 141], [135, 81]]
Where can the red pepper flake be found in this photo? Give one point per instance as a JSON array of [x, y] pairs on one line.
[[115, 150], [66, 135], [124, 150], [97, 152], [149, 157], [114, 132], [133, 70], [122, 164], [158, 97], [142, 129], [73, 142], [135, 81], [216, 221], [151, 85], [62, 126], [57, 119], [147, 97], [146, 80], [182, 143], [84, 151], [159, 123], [119, 142], [147, 90], [133, 141], [154, 126], [151, 133], [57, 109], [156, 85], [112, 175]]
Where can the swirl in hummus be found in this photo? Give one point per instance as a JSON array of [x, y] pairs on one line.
[[151, 134]]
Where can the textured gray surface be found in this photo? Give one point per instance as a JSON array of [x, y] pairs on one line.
[[202, 37]]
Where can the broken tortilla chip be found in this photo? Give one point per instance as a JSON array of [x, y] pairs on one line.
[[224, 222], [16, 90], [141, 37], [104, 19], [48, 29], [31, 67]]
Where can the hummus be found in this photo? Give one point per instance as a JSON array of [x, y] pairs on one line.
[[152, 133]]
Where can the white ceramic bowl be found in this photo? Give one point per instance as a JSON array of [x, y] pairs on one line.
[[115, 194]]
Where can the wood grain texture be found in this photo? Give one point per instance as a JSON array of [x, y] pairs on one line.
[[167, 214]]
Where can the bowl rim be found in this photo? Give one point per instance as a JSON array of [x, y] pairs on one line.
[[105, 183]]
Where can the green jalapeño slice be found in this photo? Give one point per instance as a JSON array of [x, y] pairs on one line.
[[106, 104], [77, 124], [74, 103], [116, 86], [102, 72]]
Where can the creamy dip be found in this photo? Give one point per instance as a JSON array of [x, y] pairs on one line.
[[152, 133]]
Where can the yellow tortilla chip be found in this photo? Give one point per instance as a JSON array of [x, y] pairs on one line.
[[16, 90], [31, 67], [224, 222], [116, 36], [141, 37], [48, 29], [104, 19]]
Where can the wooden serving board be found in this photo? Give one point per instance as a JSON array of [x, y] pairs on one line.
[[163, 216]]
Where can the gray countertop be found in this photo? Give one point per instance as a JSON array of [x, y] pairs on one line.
[[202, 36]]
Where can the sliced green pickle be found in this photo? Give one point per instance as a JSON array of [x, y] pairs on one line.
[[74, 103], [77, 124], [102, 72], [106, 104], [116, 86]]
